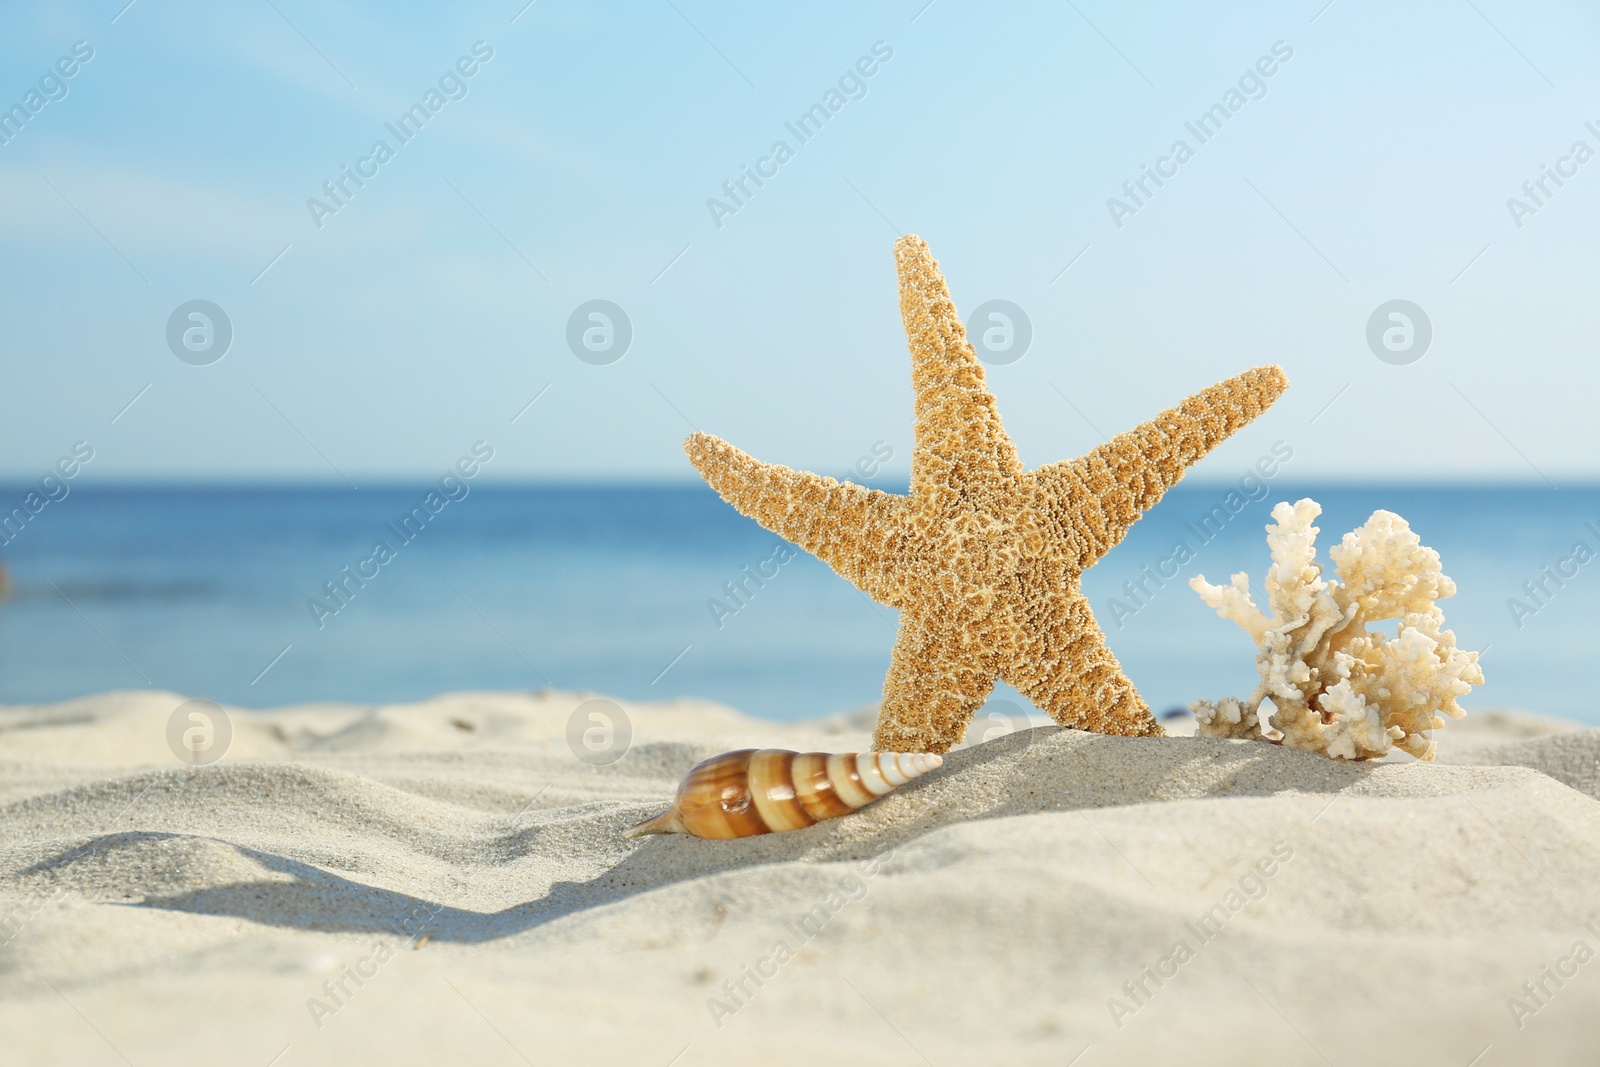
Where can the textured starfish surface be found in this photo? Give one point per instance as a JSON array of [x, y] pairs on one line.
[[983, 559]]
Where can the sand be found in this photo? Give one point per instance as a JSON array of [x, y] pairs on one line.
[[445, 882]]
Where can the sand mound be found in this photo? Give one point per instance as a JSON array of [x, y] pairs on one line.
[[1573, 758], [1044, 892]]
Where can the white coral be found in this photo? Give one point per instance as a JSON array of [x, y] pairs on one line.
[[1228, 717], [1337, 687]]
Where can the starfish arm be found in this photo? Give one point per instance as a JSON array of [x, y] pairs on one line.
[[852, 529], [958, 436], [930, 692], [1095, 499], [1061, 662]]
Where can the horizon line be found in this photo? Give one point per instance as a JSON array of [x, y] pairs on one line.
[[392, 481]]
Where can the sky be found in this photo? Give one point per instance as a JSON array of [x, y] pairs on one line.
[[378, 333]]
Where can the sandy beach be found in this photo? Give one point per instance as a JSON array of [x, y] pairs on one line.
[[1163, 414], [446, 881]]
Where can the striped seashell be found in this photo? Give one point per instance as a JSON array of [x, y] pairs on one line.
[[761, 791]]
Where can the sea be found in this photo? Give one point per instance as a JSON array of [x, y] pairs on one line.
[[264, 596]]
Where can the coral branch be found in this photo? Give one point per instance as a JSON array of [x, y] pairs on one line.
[[1335, 686]]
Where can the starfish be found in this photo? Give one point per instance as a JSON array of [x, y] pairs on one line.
[[983, 560]]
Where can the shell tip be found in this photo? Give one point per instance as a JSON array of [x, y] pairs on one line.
[[664, 823]]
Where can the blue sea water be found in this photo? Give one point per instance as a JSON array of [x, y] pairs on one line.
[[205, 591]]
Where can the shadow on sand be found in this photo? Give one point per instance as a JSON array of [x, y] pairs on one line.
[[1042, 770]]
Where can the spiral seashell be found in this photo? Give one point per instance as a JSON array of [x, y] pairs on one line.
[[762, 791]]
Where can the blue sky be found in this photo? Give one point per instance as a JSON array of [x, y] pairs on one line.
[[433, 306]]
